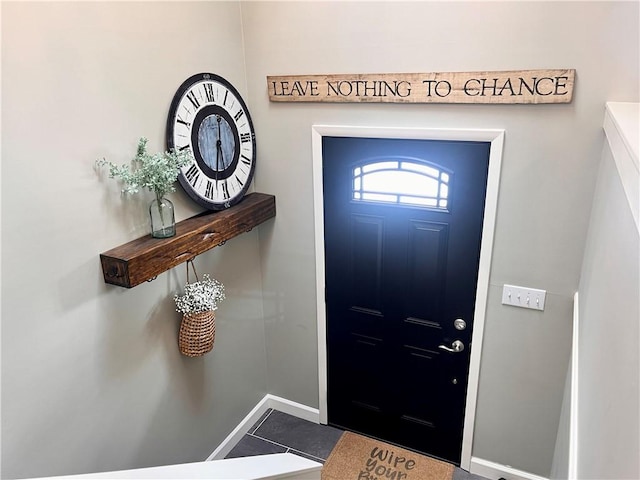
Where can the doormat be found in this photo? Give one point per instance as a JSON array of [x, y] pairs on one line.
[[360, 458]]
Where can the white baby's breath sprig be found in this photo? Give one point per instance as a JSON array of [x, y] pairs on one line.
[[200, 296]]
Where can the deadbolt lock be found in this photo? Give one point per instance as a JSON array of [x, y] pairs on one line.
[[459, 324]]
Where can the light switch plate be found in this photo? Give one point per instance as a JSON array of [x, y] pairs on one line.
[[523, 297]]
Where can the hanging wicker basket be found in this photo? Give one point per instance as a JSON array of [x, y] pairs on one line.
[[197, 333], [198, 326]]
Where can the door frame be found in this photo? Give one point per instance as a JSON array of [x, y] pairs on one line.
[[496, 138]]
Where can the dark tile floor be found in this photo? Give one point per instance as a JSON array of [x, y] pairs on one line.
[[278, 432]]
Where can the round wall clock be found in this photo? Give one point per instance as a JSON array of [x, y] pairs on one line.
[[209, 118]]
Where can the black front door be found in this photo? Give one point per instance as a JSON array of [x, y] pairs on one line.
[[403, 224]]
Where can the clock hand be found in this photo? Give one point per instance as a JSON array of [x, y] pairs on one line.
[[217, 159], [219, 149]]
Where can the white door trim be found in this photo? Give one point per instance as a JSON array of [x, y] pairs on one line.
[[496, 137]]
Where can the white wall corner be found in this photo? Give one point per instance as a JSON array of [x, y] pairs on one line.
[[622, 128]]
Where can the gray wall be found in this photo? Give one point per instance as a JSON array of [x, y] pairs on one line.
[[91, 377], [91, 374], [608, 359], [561, 453], [549, 168]]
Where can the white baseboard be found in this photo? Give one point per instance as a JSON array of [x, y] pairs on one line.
[[293, 408], [269, 401], [494, 471]]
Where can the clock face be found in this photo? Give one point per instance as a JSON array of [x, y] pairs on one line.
[[209, 118]]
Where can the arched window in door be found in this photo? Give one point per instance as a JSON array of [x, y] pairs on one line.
[[405, 181]]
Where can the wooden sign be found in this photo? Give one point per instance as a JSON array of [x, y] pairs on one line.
[[507, 87]]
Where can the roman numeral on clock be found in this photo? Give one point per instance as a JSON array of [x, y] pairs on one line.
[[209, 191], [237, 116], [208, 90], [192, 97], [245, 137], [225, 190], [192, 174], [186, 124], [245, 160]]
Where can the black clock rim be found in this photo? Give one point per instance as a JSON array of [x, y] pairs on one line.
[[186, 186]]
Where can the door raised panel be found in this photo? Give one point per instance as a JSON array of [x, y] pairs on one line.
[[426, 269], [365, 258]]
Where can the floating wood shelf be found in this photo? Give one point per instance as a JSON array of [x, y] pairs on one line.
[[140, 260]]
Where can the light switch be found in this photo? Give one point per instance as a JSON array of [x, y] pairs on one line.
[[524, 297]]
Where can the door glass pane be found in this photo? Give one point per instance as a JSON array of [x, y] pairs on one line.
[[401, 182], [379, 166]]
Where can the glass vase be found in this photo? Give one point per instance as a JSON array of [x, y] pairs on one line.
[[163, 221]]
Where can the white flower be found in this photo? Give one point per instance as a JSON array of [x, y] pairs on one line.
[[200, 296]]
